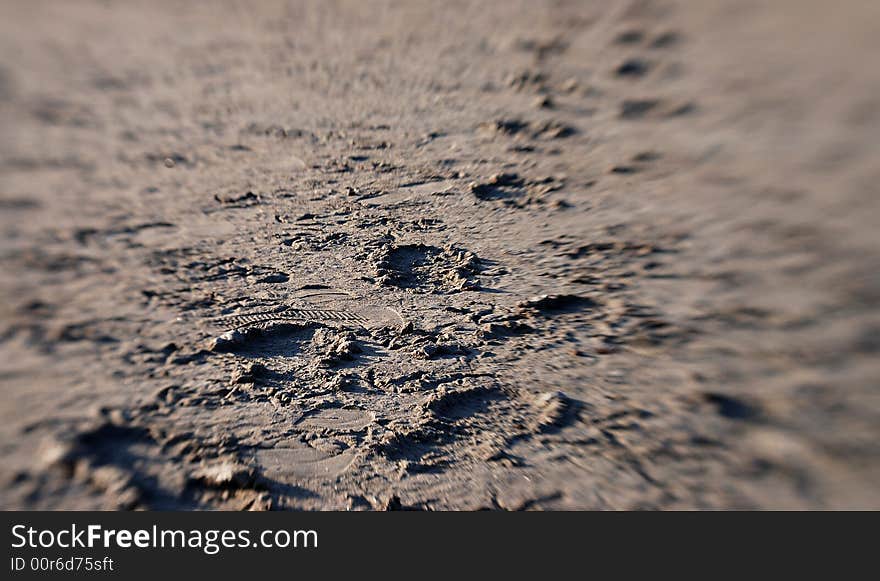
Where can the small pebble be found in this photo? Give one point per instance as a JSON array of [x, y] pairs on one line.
[[544, 102]]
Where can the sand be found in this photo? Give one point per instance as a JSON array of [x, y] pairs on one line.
[[439, 256]]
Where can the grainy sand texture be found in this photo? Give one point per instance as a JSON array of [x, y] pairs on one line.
[[391, 255]]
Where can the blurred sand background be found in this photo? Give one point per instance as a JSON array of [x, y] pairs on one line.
[[502, 255]]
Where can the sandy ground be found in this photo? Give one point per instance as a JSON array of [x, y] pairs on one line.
[[450, 255]]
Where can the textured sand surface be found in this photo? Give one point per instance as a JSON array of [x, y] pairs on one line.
[[450, 255]]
